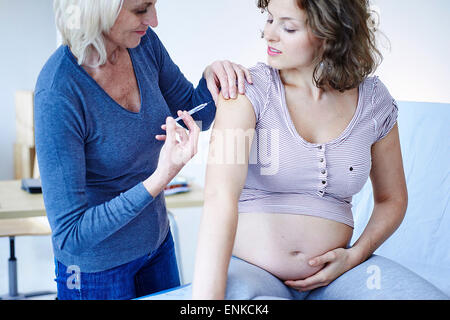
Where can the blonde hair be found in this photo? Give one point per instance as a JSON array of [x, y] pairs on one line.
[[82, 24]]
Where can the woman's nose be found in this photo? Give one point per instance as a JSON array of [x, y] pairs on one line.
[[151, 19], [269, 34]]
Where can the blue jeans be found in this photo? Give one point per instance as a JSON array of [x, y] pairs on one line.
[[378, 278], [148, 274]]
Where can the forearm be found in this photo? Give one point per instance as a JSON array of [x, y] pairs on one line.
[[78, 227], [78, 230], [156, 183], [385, 219], [214, 249]]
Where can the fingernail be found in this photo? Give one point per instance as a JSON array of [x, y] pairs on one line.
[[312, 262]]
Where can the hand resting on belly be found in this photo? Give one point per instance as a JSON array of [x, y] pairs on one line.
[[282, 244]]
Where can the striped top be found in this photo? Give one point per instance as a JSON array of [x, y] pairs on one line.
[[287, 174]]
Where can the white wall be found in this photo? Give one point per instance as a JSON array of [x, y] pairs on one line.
[[418, 67], [27, 38]]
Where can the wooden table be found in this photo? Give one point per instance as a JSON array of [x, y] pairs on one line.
[[16, 203], [22, 213]]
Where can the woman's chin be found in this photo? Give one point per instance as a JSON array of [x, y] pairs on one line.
[[133, 43], [275, 63]]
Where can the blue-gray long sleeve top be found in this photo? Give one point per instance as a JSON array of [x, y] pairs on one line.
[[93, 155]]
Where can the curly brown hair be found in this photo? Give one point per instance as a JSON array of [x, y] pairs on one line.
[[349, 53]]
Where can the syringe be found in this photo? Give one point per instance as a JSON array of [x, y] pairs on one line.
[[196, 109]]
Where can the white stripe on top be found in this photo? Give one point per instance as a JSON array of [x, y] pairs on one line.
[[287, 174]]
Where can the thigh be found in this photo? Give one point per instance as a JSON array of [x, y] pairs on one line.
[[113, 284], [378, 278], [160, 272], [247, 281]]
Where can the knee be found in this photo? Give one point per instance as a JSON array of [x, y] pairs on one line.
[[246, 281], [383, 278]]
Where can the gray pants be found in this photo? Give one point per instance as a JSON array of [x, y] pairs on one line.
[[377, 278]]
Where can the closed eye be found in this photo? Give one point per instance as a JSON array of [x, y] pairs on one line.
[[143, 10]]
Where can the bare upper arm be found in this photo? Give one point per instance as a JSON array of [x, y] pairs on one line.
[[387, 173], [229, 147]]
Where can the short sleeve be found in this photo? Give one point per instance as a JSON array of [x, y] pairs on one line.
[[258, 92], [385, 110]]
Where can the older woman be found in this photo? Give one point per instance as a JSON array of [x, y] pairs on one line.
[[100, 103], [325, 126]]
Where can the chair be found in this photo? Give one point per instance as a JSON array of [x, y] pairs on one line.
[[176, 240]]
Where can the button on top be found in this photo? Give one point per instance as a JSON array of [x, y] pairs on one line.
[[320, 147], [322, 159], [323, 171]]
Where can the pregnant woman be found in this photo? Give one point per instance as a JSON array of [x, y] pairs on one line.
[[317, 126]]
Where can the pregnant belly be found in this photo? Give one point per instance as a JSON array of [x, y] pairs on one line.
[[282, 244]]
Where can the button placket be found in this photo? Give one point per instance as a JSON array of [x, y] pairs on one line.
[[323, 172]]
